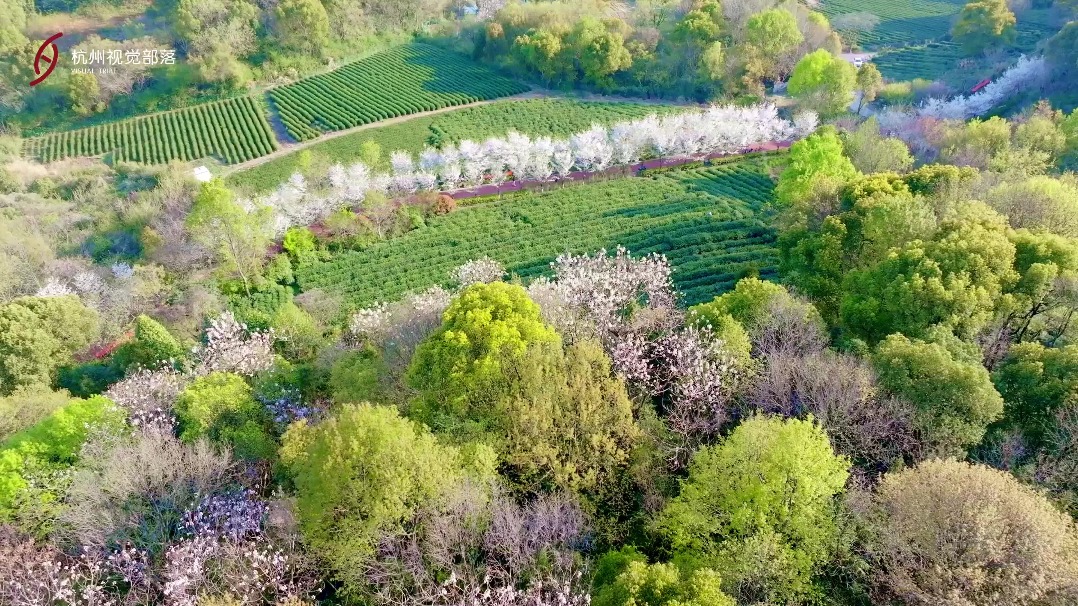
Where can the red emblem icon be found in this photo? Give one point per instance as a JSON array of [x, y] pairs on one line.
[[51, 61]]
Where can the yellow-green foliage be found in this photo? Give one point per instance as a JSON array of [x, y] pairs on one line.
[[363, 473], [625, 578], [485, 325], [53, 443], [222, 407], [569, 422], [767, 491]]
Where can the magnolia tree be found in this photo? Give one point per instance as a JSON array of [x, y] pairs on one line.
[[629, 305], [149, 394], [716, 130]]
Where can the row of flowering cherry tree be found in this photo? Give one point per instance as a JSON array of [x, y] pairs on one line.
[[518, 157], [907, 123]]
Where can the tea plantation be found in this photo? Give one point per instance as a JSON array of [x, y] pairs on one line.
[[708, 221]]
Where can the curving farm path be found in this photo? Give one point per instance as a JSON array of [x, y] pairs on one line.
[[536, 93]]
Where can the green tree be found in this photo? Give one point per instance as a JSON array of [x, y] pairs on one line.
[[303, 26], [624, 578], [813, 161], [300, 244], [362, 474], [946, 525], [869, 83], [984, 23], [152, 345], [823, 82], [40, 334], [568, 422], [240, 238], [221, 406], [951, 391], [769, 37], [1036, 382], [749, 304], [460, 365], [713, 62], [84, 94], [770, 487], [598, 52], [870, 152], [955, 280], [541, 50]]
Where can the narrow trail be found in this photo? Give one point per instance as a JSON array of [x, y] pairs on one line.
[[289, 148], [536, 93]]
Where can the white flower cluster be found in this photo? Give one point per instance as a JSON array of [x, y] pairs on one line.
[[479, 271], [230, 347], [1026, 72], [148, 395], [718, 129]]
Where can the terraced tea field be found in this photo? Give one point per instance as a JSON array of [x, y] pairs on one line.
[[233, 131], [535, 117], [902, 22], [929, 61], [707, 221], [405, 80]]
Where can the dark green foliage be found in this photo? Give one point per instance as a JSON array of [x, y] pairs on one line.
[[151, 347], [356, 377], [258, 309], [234, 131], [1036, 382], [90, 378], [707, 226]]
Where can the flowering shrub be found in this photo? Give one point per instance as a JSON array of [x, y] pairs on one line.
[[1025, 73], [484, 270], [148, 397], [230, 347]]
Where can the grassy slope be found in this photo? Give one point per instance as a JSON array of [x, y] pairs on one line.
[[707, 221], [550, 117]]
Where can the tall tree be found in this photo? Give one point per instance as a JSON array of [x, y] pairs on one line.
[[238, 237], [952, 393], [303, 26], [869, 84], [762, 504], [769, 37], [823, 82], [39, 334], [814, 160], [363, 473], [460, 365], [984, 23]]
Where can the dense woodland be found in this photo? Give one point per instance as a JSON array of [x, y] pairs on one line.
[[839, 374]]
